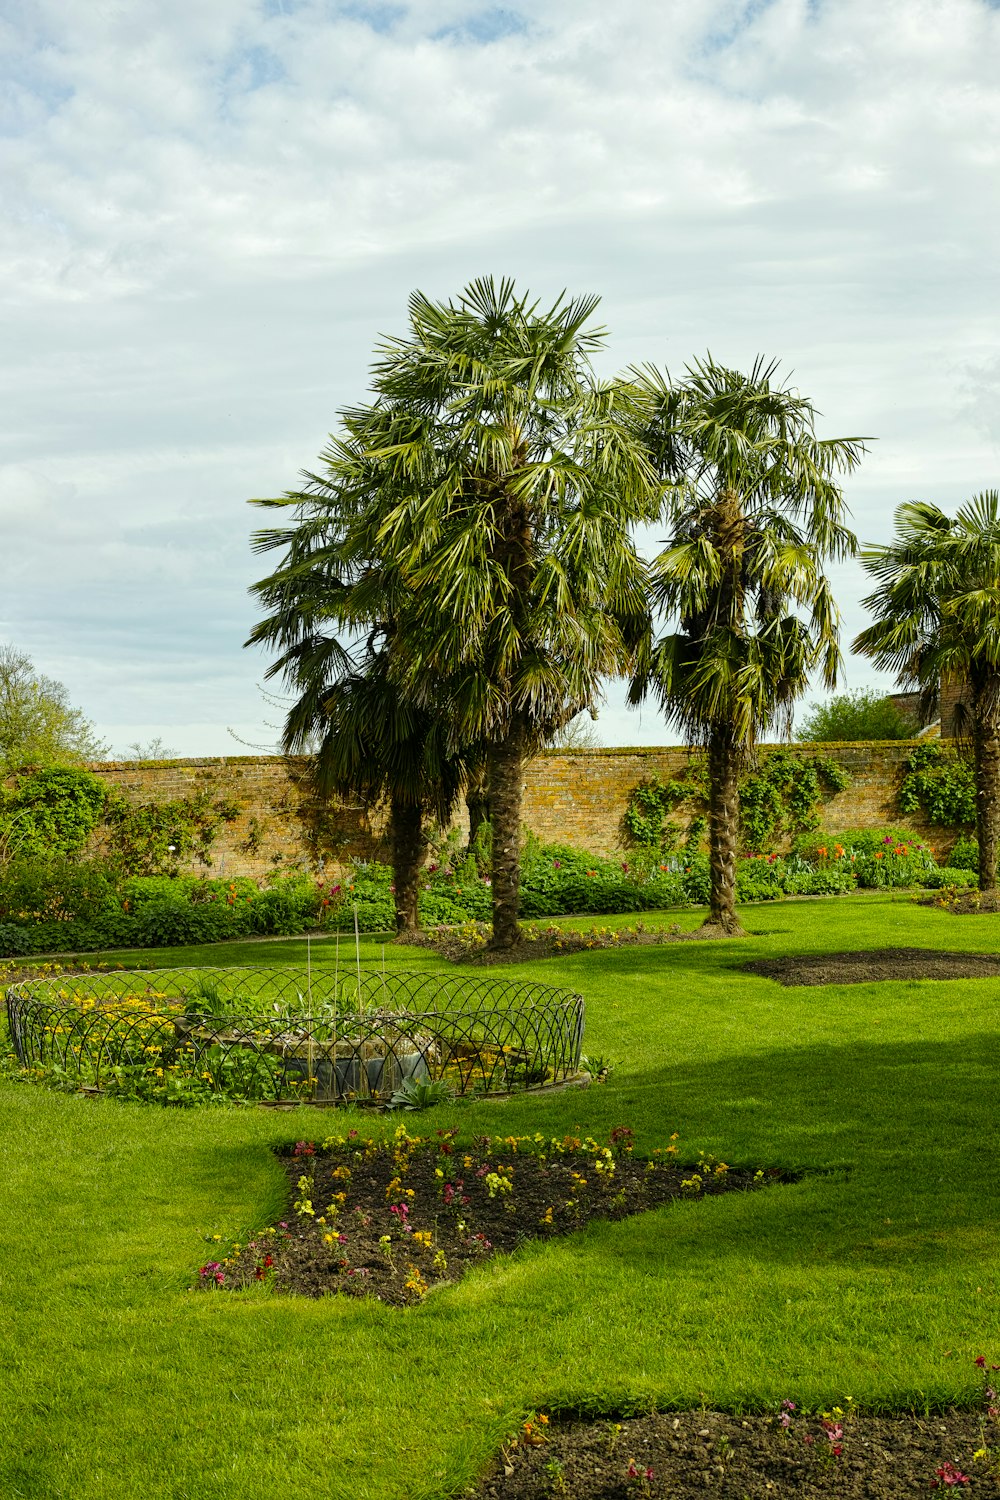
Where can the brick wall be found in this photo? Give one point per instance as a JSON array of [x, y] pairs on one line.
[[572, 797]]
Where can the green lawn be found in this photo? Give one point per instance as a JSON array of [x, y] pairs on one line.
[[876, 1276]]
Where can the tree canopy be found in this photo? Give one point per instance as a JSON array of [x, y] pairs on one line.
[[38, 724], [862, 715]]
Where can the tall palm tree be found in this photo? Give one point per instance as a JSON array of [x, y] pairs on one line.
[[937, 613], [753, 510], [483, 501]]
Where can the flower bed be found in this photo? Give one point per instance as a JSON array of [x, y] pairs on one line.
[[394, 1219], [188, 1036]]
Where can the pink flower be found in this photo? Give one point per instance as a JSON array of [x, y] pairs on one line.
[[949, 1477]]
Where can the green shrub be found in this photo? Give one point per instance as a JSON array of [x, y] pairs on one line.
[[829, 880], [164, 922], [757, 880], [282, 911], [369, 888], [457, 884], [56, 889], [557, 879], [964, 856], [51, 812], [14, 940], [696, 879], [940, 879]]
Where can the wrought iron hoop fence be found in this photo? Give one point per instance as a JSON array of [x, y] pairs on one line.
[[283, 1035]]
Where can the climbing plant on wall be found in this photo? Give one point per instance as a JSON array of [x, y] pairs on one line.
[[152, 838], [941, 784], [779, 796]]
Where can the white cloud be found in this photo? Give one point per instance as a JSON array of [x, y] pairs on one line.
[[214, 212]]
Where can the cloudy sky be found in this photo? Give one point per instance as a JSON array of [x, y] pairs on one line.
[[212, 213]]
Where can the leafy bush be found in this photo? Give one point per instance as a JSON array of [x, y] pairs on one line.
[[696, 879], [828, 880], [557, 879], [945, 876], [864, 715], [14, 941], [458, 884], [758, 880], [51, 812], [964, 856], [369, 888], [164, 922], [56, 889], [289, 906]]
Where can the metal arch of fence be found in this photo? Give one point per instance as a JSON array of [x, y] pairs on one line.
[[281, 1035]]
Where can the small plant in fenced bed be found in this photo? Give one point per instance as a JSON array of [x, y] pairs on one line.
[[418, 1094]]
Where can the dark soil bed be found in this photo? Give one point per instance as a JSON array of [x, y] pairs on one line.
[[703, 1453], [963, 903], [393, 1220], [876, 964]]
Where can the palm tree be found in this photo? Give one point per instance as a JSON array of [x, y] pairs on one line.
[[753, 510], [482, 502], [937, 614], [363, 737]]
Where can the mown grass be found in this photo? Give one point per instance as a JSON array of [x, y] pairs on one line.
[[875, 1276]]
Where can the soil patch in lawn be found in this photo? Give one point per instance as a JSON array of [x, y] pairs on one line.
[[702, 1453], [393, 1220], [963, 903], [875, 964]]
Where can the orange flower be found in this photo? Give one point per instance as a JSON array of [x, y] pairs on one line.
[[821, 851]]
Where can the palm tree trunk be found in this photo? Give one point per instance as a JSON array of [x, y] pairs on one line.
[[478, 802], [407, 857], [723, 831], [506, 773], [986, 749]]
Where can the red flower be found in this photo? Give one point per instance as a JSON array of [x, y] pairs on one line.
[[949, 1476]]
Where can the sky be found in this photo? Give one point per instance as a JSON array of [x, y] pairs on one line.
[[212, 214]]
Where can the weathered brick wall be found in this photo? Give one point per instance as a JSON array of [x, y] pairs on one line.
[[571, 797], [279, 821]]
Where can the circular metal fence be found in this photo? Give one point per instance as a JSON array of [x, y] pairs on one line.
[[280, 1035]]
